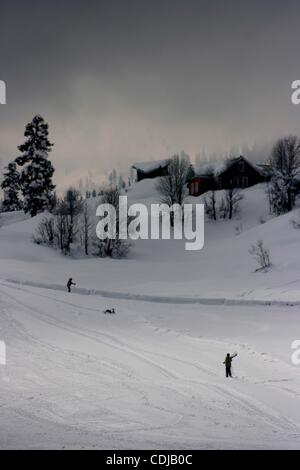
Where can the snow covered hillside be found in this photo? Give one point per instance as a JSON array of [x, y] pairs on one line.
[[152, 376], [224, 268]]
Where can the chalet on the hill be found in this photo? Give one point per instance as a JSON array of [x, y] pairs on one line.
[[236, 172], [151, 169]]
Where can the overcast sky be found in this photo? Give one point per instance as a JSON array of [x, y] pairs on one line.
[[129, 80]]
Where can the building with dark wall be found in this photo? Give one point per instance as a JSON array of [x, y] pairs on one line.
[[236, 172], [151, 169]]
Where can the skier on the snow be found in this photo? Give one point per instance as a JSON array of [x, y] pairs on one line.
[[227, 362], [70, 284]]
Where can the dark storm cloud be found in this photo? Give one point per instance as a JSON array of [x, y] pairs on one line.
[[120, 81]]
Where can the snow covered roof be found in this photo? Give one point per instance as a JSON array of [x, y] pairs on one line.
[[264, 168], [204, 169], [261, 168], [216, 168], [150, 166]]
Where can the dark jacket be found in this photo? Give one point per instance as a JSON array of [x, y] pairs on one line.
[[228, 361]]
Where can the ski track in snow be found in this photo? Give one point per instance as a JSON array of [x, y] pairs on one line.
[[136, 385], [152, 376], [218, 301]]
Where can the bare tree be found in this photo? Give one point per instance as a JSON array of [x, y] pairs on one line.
[[233, 197], [66, 214], [70, 222], [285, 168], [223, 209], [172, 187], [45, 232], [86, 226], [112, 247], [61, 224], [270, 197], [72, 209], [112, 178], [210, 205], [261, 254]]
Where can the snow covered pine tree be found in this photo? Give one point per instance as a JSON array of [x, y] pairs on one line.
[[11, 187], [285, 171], [36, 176]]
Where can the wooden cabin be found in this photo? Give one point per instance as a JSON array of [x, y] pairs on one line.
[[236, 172], [151, 169]]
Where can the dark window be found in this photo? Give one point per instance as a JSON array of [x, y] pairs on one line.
[[245, 182], [241, 166], [241, 182]]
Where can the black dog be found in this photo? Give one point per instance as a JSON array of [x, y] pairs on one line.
[[109, 310]]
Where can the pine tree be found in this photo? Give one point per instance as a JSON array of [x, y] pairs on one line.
[[11, 187], [36, 176]]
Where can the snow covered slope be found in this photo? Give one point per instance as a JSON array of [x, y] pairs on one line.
[[152, 376], [223, 269], [12, 217]]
